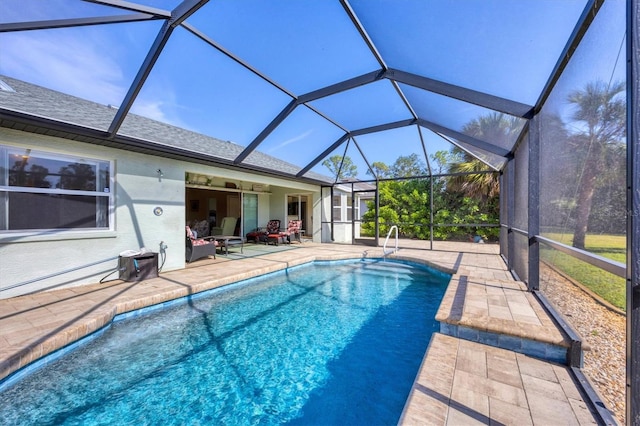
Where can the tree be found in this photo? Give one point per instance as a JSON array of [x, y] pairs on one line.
[[341, 167], [496, 128], [407, 166], [441, 160], [35, 176], [556, 191], [404, 203], [380, 170], [475, 185], [608, 209], [77, 176], [472, 194], [603, 116]]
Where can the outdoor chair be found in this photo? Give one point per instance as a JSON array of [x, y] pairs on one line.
[[258, 235], [274, 235], [200, 228], [199, 247], [227, 227], [261, 235], [294, 230]]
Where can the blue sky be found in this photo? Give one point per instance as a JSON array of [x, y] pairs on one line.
[[502, 47]]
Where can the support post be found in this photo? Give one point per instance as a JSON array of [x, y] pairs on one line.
[[353, 216], [633, 213], [533, 206], [377, 212], [332, 224], [511, 209], [431, 213]]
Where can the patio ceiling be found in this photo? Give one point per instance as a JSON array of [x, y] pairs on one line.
[[299, 81]]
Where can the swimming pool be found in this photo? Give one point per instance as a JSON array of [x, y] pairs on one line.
[[324, 343]]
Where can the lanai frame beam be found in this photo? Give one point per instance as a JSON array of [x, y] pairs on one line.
[[76, 22], [484, 100], [178, 15], [633, 213]]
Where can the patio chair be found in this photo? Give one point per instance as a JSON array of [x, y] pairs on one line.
[[227, 227], [201, 228], [260, 235], [294, 230], [199, 247], [274, 235]]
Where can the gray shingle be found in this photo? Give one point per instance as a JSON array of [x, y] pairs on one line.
[[42, 102]]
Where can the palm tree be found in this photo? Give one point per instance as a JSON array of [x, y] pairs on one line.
[[481, 186], [603, 114], [496, 128]]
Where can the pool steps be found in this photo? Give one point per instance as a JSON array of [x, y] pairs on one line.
[[503, 314]]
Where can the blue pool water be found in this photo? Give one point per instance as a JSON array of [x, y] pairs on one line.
[[326, 343]]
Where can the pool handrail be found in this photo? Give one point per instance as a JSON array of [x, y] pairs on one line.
[[384, 247]]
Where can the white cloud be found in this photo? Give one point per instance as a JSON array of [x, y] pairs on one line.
[[152, 110], [58, 61], [291, 140], [88, 67]]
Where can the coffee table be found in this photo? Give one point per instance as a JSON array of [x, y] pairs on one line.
[[229, 240]]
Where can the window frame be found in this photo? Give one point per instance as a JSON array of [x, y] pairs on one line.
[[103, 192], [335, 208]]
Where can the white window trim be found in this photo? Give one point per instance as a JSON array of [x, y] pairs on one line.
[[59, 233]]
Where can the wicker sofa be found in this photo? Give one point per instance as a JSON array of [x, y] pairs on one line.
[[197, 248]]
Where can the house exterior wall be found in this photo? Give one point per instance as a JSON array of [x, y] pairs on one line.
[[279, 210], [278, 206], [316, 209], [264, 210], [342, 233], [36, 261]]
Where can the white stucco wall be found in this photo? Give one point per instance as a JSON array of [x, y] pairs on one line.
[[35, 261], [278, 205], [325, 214], [264, 202]]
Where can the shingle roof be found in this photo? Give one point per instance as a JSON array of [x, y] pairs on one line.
[[29, 100]]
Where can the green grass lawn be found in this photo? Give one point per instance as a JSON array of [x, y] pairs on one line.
[[605, 284]]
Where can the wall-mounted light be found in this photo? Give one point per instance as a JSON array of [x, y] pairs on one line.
[[159, 171]]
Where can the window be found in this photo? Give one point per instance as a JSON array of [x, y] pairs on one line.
[[292, 208], [349, 208], [45, 191], [337, 208]]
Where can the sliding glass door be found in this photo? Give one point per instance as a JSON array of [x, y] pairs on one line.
[[249, 213]]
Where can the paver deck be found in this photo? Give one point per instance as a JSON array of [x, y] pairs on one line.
[[460, 382], [467, 383]]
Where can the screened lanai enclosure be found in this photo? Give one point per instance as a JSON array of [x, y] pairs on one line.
[[511, 122]]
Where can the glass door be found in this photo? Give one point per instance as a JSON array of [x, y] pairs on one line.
[[249, 213]]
